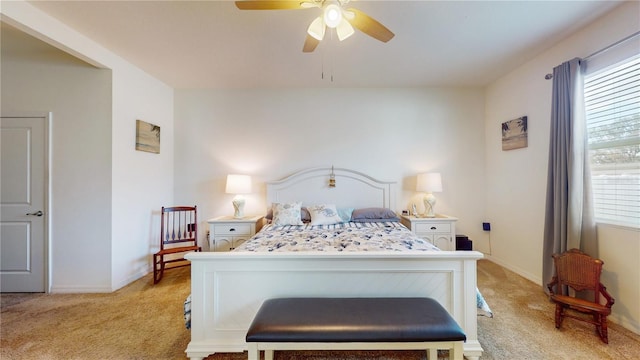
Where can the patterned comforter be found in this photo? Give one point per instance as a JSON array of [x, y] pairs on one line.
[[350, 236]]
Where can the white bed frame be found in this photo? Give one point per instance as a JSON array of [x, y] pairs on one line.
[[227, 288]]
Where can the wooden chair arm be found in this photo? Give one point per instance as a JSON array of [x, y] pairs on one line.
[[610, 299]]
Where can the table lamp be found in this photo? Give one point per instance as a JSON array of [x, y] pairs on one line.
[[238, 185], [429, 183]]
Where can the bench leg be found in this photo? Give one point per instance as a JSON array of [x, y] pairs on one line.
[[268, 355], [432, 354], [254, 353], [456, 352]]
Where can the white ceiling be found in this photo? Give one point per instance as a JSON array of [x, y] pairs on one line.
[[212, 44]]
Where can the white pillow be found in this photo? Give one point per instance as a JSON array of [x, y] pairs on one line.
[[324, 214], [286, 214]]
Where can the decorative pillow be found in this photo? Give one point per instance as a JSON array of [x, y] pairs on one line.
[[326, 214], [286, 214], [376, 220], [373, 214], [304, 215], [345, 214]]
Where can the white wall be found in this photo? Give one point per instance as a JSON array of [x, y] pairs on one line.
[[390, 134], [516, 179], [79, 96], [140, 183]]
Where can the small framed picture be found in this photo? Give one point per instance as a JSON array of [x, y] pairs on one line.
[[147, 137], [514, 134]]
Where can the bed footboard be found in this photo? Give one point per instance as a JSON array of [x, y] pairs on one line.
[[227, 289]]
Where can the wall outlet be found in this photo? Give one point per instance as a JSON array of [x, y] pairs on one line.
[[486, 226]]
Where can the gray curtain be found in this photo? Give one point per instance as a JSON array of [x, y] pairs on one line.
[[569, 216]]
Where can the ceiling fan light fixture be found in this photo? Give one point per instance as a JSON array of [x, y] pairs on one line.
[[316, 29], [344, 30], [332, 15]]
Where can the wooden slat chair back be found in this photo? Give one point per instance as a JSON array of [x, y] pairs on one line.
[[577, 272], [178, 235]]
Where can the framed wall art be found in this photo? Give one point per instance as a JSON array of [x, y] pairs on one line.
[[147, 137], [514, 134]]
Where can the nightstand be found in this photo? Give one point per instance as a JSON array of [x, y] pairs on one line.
[[439, 230], [226, 232]]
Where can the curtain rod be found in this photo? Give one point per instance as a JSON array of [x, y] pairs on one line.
[[612, 45], [606, 48]]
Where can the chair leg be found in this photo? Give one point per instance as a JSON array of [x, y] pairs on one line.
[[158, 272], [559, 313], [603, 329]]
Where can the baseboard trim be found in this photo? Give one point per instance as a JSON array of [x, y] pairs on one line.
[[100, 289], [80, 289], [625, 322], [519, 271], [131, 278]]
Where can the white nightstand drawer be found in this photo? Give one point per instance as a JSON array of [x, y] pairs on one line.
[[232, 229], [432, 228]]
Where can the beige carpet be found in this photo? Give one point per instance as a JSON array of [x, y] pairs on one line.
[[143, 321]]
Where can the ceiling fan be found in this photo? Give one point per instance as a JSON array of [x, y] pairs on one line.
[[334, 15]]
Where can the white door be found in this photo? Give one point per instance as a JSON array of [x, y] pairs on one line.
[[23, 165]]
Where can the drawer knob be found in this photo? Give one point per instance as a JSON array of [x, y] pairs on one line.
[[433, 228], [232, 229]]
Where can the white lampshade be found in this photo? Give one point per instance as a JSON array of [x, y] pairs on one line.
[[429, 183], [238, 184]]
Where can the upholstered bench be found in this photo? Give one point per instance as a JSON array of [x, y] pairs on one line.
[[354, 324]]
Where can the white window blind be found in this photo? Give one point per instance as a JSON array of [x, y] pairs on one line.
[[612, 104]]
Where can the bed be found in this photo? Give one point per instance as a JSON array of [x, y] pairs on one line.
[[228, 288]]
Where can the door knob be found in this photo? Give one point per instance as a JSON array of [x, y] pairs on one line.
[[37, 213]]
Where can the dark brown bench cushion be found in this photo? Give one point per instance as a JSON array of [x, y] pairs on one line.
[[353, 320]]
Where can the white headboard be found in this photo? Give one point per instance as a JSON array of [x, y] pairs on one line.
[[353, 189]]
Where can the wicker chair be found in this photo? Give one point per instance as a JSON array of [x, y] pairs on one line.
[[178, 235], [577, 272]]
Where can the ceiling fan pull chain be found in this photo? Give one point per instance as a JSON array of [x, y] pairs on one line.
[[331, 57], [322, 66], [331, 60]]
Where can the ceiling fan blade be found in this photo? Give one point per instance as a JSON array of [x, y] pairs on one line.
[[370, 26], [269, 5], [310, 44]]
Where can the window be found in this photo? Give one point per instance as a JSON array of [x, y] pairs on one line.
[[612, 104]]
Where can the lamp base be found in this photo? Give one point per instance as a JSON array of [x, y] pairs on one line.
[[238, 206], [429, 205]]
